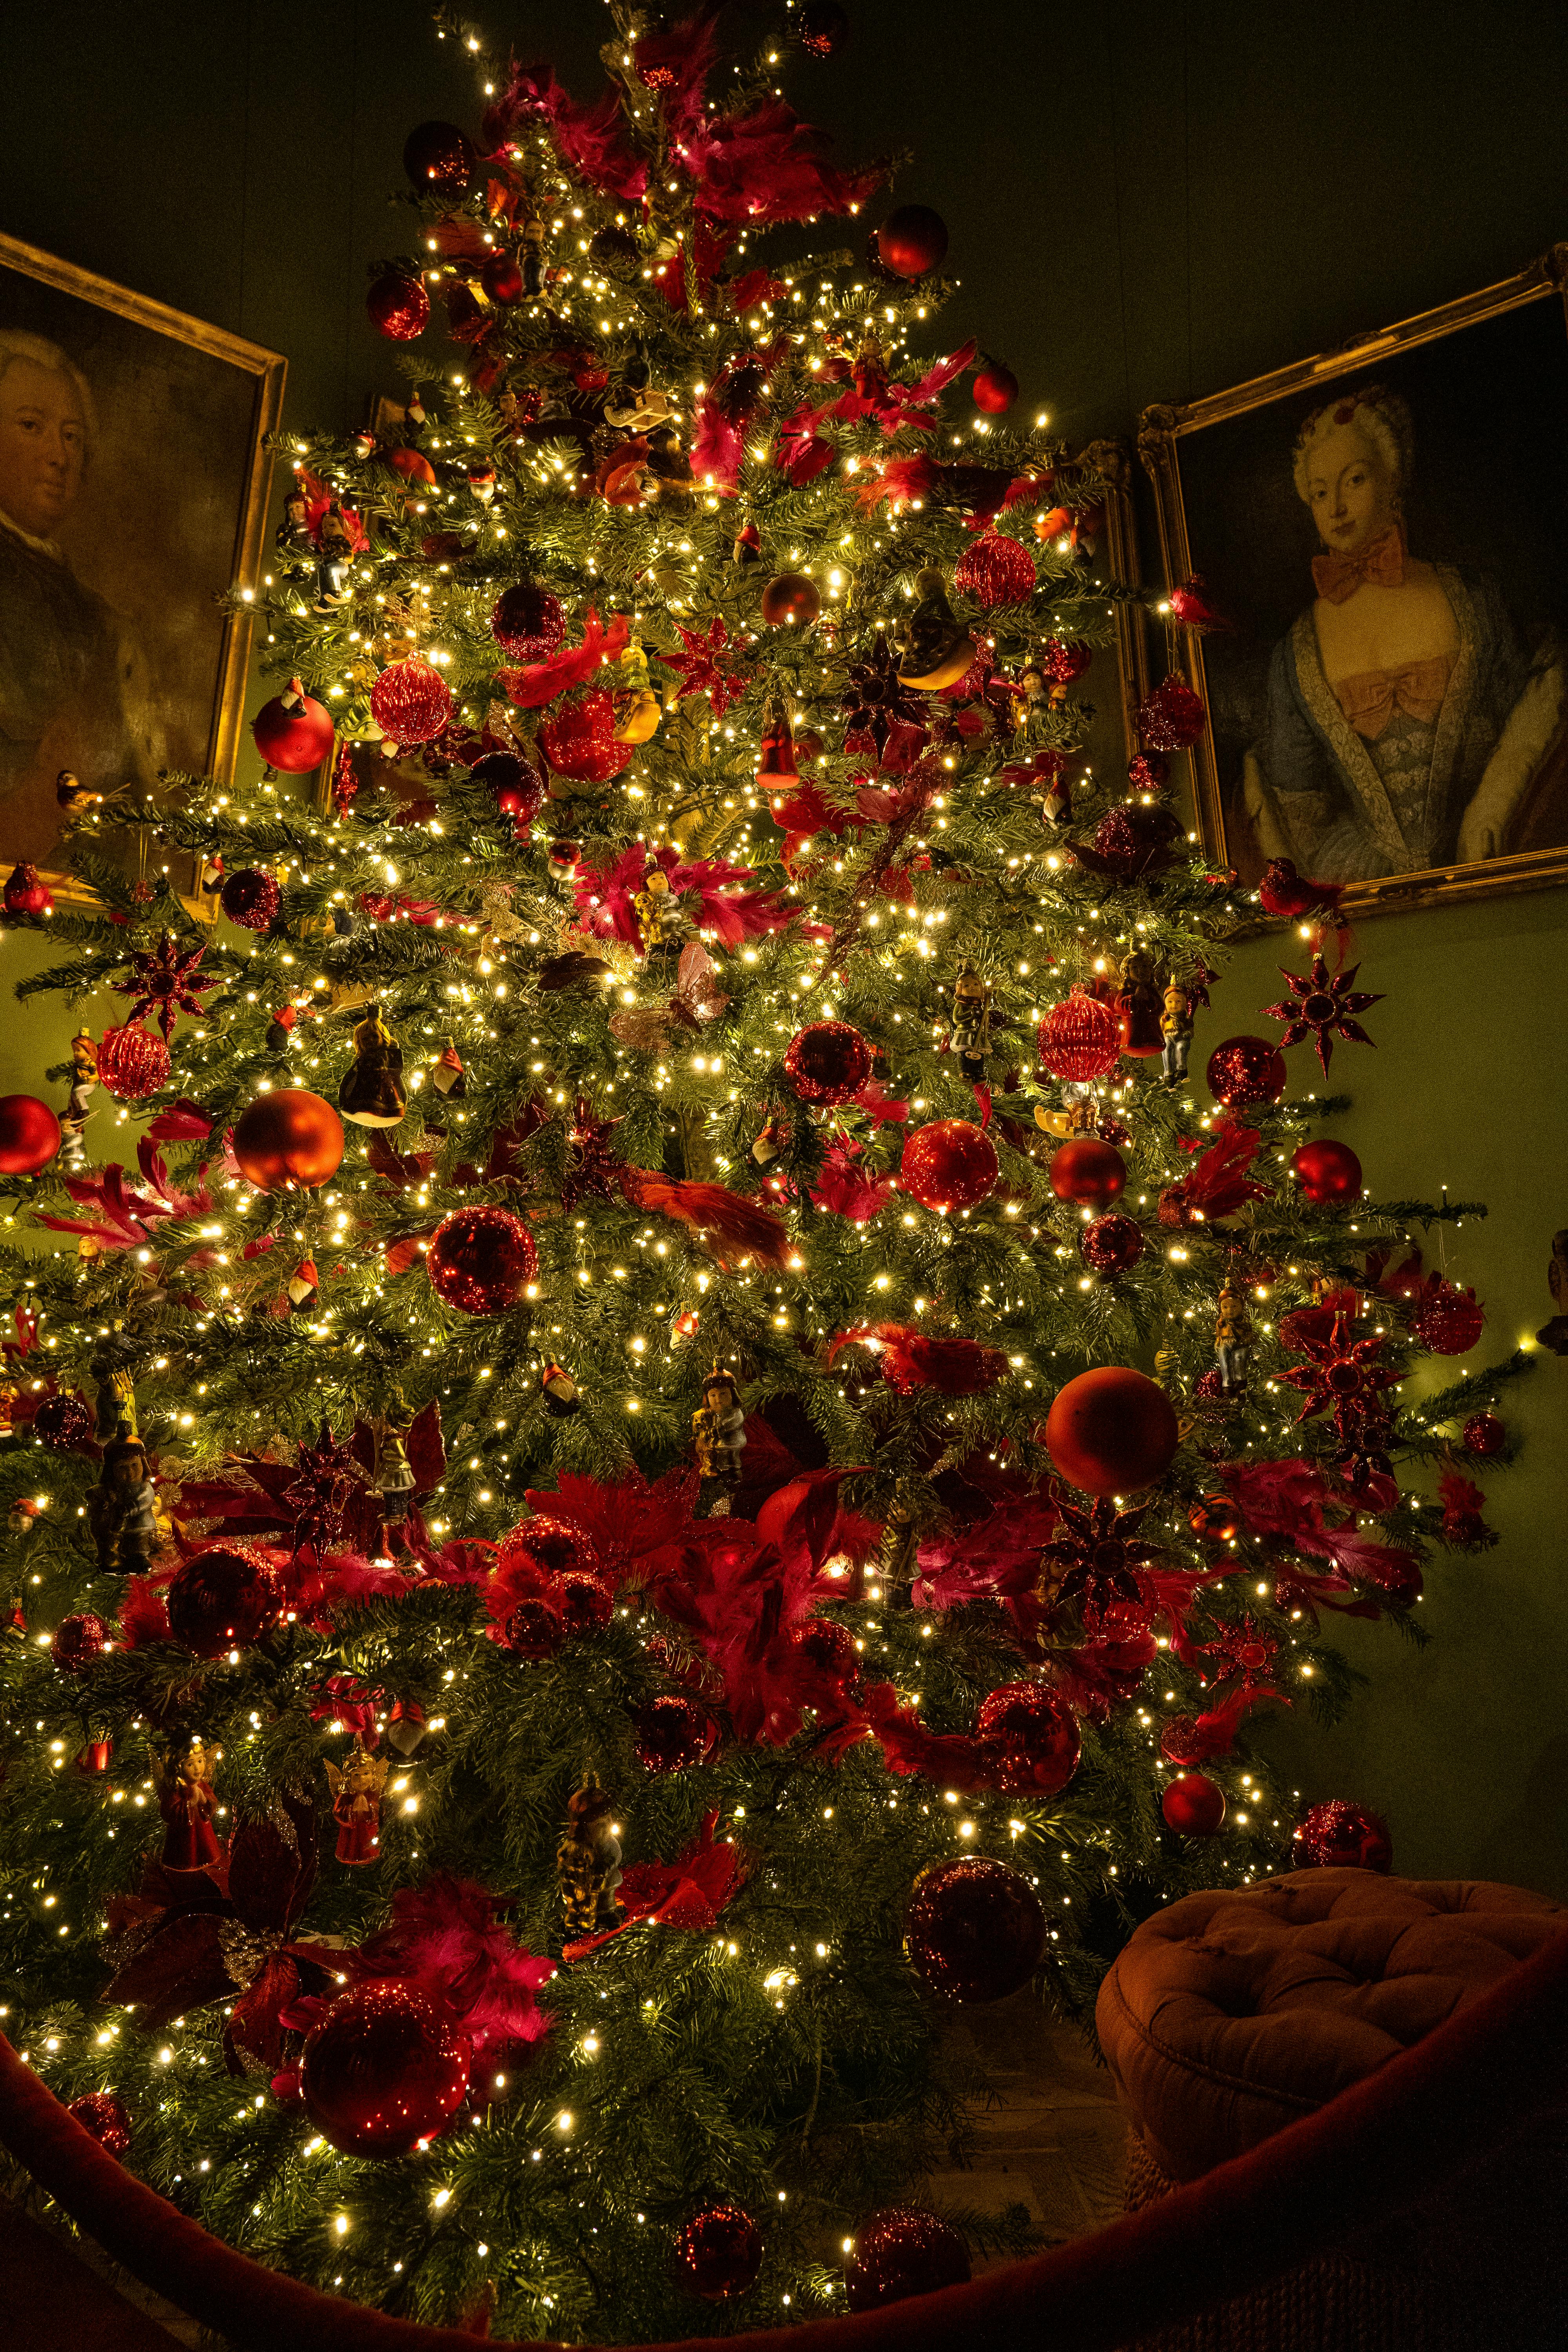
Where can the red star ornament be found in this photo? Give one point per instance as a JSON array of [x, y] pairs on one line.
[[705, 667], [162, 976], [1097, 1548], [1322, 1004]]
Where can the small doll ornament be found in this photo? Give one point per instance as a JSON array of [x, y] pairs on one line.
[[120, 1509], [79, 1102], [970, 1022], [934, 651], [394, 1471], [638, 707], [1138, 1002], [1176, 1030], [718, 1431], [336, 554], [1233, 1339], [656, 913], [372, 1092], [113, 1394], [356, 1803], [296, 548], [533, 257], [588, 1862], [187, 1801], [559, 1391]]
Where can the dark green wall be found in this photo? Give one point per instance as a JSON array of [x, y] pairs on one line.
[[1146, 203]]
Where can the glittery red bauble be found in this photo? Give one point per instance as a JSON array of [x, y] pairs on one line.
[[1339, 1836], [29, 1135], [1087, 1172], [827, 1062], [1182, 1742], [26, 893], [1246, 1070], [911, 240], [1064, 659], [1110, 1244], [1111, 1431], [439, 158], [672, 1734], [79, 1643], [580, 741], [251, 898], [1484, 1434], [828, 1648], [293, 732], [481, 1260], [1033, 1735], [62, 1421], [995, 570], [553, 1546], [791, 597], [1081, 1039], [718, 2253], [1194, 1805], [1450, 1322], [384, 2069], [103, 2115], [517, 789], [287, 1139], [224, 1598], [1214, 1518], [528, 622], [974, 1929], [398, 305], [534, 1630], [1328, 1172], [1148, 772], [1134, 840], [1170, 718], [411, 702], [822, 28], [902, 2251], [995, 388], [950, 1164], [132, 1063]]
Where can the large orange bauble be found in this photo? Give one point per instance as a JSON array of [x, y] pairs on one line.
[[1111, 1431], [29, 1135], [791, 597], [1088, 1171], [289, 1138]]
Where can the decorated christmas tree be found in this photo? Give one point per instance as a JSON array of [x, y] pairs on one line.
[[690, 1439]]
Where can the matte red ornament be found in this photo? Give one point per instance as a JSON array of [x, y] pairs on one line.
[[29, 1135], [384, 2069], [1170, 718], [950, 1164], [1111, 1431], [1448, 1321], [911, 240], [251, 898], [103, 2115], [791, 597], [288, 1139], [580, 741], [1087, 1172], [827, 1062], [79, 1642], [1032, 1736], [481, 1260], [62, 1421], [1328, 1172], [902, 2251], [398, 305], [1194, 1805], [26, 893], [1110, 1244], [672, 1734], [439, 158], [225, 1598], [528, 622], [292, 732], [995, 388], [995, 570], [1336, 1835], [1484, 1434], [1081, 1039], [1245, 1070], [411, 702], [974, 1929], [822, 26], [718, 2253], [132, 1063], [1214, 1518], [553, 1546]]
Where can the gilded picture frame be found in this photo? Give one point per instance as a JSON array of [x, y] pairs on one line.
[[1410, 741], [134, 477]]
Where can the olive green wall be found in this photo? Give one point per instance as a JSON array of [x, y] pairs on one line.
[[1146, 203]]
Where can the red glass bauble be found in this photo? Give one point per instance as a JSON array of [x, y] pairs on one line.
[[903, 2252], [995, 570], [822, 28], [1110, 1244], [580, 741], [398, 305], [528, 622], [79, 1642], [224, 1598], [132, 1063], [911, 240], [439, 158], [827, 1062], [718, 2253], [1032, 1736], [1214, 1518], [672, 1734], [517, 789], [251, 898], [1111, 1431], [1485, 1434], [104, 2115], [534, 1630], [1170, 718], [1081, 1039], [384, 2069], [481, 1260], [1087, 1172], [287, 1139], [1328, 1172], [411, 702], [950, 1164], [793, 598], [995, 388], [29, 1135], [27, 892], [974, 1929], [553, 1546], [1336, 1835], [502, 279], [62, 1421], [293, 732], [1194, 1805], [1450, 1322], [1246, 1070]]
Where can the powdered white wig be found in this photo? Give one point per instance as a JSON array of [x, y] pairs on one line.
[[1379, 416], [17, 344]]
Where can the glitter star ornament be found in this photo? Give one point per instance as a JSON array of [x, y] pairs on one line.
[[1322, 1004], [163, 977]]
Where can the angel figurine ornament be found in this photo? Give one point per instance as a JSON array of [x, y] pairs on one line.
[[356, 1803]]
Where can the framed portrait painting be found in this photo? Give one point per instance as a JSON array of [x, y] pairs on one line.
[[133, 478], [1382, 533]]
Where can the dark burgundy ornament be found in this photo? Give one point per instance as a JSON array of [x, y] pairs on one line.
[[1246, 1070], [1110, 1244], [822, 28], [534, 1630], [1032, 1736], [62, 1421], [1336, 1835], [439, 158], [974, 1929], [828, 1648], [718, 2253], [517, 789], [1170, 718], [911, 240], [555, 1546], [501, 278], [672, 1734], [1449, 1321], [995, 570], [1485, 1434], [79, 1642], [528, 622], [902, 2251], [1193, 1805], [411, 702], [586, 1605], [251, 898], [827, 1062], [1129, 840], [104, 2115], [481, 1260], [398, 305], [384, 2070], [224, 1598], [995, 389], [1148, 772]]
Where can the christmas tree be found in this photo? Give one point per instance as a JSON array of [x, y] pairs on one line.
[[690, 1439]]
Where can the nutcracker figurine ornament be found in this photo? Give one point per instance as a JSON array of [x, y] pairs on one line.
[[120, 1507], [1177, 1029], [187, 1801], [718, 1431], [970, 1022], [1233, 1338], [356, 1803], [588, 1862], [654, 911], [79, 1102]]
